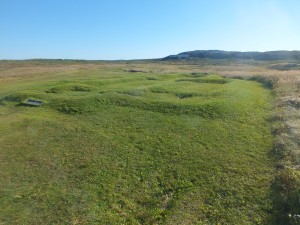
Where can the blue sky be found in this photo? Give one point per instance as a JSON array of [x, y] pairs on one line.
[[134, 29]]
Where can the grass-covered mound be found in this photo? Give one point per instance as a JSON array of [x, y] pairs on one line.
[[136, 149]]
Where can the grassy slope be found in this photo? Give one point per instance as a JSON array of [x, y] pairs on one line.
[[114, 147]]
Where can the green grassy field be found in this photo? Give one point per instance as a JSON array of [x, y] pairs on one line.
[[114, 147]]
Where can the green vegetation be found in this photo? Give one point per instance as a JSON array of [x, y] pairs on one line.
[[285, 129], [113, 147]]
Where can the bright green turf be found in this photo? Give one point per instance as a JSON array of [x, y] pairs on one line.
[[110, 147]]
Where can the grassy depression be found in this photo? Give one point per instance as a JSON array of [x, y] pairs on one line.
[[135, 148]]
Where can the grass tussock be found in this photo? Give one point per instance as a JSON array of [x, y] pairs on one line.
[[206, 79], [70, 87]]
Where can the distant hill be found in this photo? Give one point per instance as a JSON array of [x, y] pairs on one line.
[[217, 54]]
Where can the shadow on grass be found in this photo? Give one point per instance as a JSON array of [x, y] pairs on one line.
[[284, 193], [267, 82]]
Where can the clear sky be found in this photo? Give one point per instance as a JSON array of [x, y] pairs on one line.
[[132, 29]]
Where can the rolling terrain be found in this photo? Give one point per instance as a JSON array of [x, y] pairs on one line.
[[147, 142], [217, 54]]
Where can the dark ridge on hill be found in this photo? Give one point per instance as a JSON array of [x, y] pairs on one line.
[[217, 54]]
